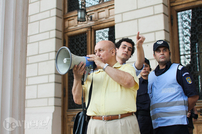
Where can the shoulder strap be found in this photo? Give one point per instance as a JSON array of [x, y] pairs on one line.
[[90, 92], [89, 97]]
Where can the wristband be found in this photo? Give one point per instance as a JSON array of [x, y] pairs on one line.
[[195, 116], [105, 66]]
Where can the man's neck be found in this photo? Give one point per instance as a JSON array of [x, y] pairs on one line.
[[112, 63], [145, 77], [120, 61], [162, 66]]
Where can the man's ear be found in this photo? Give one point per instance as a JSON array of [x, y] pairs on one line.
[[154, 55], [117, 49], [114, 51]]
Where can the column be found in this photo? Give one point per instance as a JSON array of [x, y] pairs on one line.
[[13, 40]]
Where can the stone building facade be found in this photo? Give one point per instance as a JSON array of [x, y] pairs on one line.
[[45, 91]]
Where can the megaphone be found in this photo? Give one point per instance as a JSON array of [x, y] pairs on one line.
[[65, 61]]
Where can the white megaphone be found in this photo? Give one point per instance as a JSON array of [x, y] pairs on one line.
[[65, 61]]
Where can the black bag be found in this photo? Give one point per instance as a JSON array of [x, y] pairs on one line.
[[80, 123], [81, 119]]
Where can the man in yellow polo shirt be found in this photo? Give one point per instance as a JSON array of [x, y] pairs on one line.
[[113, 94]]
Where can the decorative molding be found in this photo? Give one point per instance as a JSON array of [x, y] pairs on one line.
[[100, 13], [180, 2]]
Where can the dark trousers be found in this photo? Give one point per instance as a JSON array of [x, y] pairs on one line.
[[190, 130], [176, 129], [145, 124]]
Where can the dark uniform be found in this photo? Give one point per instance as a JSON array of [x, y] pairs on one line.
[[185, 80], [143, 108]]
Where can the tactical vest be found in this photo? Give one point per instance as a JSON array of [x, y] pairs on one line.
[[169, 104]]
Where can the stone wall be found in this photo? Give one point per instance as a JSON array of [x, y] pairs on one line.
[[43, 84], [149, 17]]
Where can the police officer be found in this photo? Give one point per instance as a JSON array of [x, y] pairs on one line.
[[172, 93], [143, 101]]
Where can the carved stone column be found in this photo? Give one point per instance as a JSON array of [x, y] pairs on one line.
[[13, 42]]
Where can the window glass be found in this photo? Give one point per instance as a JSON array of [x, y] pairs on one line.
[[105, 34], [76, 4], [190, 43]]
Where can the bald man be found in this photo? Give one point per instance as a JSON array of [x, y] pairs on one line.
[[113, 95]]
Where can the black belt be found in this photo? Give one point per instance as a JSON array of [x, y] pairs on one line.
[[143, 113]]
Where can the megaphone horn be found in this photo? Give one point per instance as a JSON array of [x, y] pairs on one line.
[[65, 60]]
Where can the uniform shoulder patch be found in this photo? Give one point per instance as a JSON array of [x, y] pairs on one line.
[[188, 79], [180, 67]]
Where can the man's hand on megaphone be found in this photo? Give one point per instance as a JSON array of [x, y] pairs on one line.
[[79, 70], [99, 63]]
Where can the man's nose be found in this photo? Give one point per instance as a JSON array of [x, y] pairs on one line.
[[126, 49], [162, 52], [97, 54]]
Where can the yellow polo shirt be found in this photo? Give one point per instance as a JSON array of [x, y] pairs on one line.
[[108, 97]]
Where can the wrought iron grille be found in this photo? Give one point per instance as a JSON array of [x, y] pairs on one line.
[[77, 46], [73, 5], [76, 4], [190, 43], [105, 34]]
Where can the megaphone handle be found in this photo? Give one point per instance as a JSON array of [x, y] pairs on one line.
[[82, 80]]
